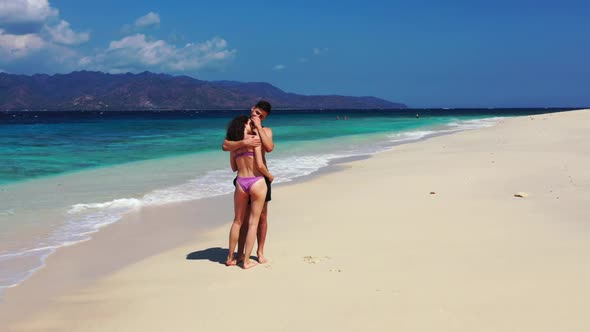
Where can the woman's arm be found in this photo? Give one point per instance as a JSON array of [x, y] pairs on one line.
[[249, 140], [232, 161], [260, 163]]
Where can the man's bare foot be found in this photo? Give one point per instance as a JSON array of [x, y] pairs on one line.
[[262, 259], [230, 262], [240, 258], [249, 264]]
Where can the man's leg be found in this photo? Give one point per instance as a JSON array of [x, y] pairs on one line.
[[261, 234], [243, 232]]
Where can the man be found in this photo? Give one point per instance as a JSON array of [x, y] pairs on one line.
[[258, 114]]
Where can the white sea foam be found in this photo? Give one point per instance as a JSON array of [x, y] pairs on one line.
[[8, 212], [15, 272], [409, 136], [446, 128], [475, 123], [117, 204], [213, 183], [293, 167]]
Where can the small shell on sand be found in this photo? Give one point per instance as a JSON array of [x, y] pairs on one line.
[[521, 194]]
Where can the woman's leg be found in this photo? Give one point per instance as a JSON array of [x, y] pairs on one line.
[[243, 232], [257, 197], [240, 203]]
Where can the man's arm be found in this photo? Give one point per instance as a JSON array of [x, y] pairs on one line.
[[265, 135], [266, 138], [260, 164], [249, 140]]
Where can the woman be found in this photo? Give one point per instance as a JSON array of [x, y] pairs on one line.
[[250, 185]]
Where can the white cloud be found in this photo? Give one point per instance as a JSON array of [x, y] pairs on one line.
[[32, 29], [139, 52], [64, 55], [63, 34], [18, 46], [278, 67], [147, 20], [25, 11], [49, 42], [137, 46], [318, 51]]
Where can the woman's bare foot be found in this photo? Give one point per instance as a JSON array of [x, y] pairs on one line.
[[249, 264], [230, 262], [262, 259]]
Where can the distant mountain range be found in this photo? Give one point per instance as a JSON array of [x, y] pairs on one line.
[[88, 90]]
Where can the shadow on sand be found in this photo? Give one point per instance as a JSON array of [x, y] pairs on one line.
[[216, 255]]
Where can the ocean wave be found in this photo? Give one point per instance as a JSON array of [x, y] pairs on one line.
[[117, 204], [450, 127], [14, 270], [287, 169], [8, 212], [213, 183], [409, 136], [476, 123]]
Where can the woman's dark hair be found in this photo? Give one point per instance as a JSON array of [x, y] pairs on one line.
[[235, 129]]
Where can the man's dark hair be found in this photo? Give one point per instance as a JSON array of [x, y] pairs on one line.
[[235, 129], [263, 105]]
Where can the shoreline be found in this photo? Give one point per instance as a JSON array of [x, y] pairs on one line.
[[332, 165], [182, 215]]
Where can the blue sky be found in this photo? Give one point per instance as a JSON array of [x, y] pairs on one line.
[[422, 53]]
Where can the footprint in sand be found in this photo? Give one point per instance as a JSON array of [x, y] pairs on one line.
[[314, 259]]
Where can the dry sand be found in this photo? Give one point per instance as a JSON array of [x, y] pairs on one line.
[[367, 248]]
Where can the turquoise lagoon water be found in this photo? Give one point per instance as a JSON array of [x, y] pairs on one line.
[[64, 175]]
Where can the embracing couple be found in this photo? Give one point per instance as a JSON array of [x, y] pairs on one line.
[[248, 141]]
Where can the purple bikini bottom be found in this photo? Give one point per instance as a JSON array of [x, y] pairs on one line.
[[247, 182]]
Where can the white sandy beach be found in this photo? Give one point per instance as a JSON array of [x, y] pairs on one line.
[[365, 248]]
